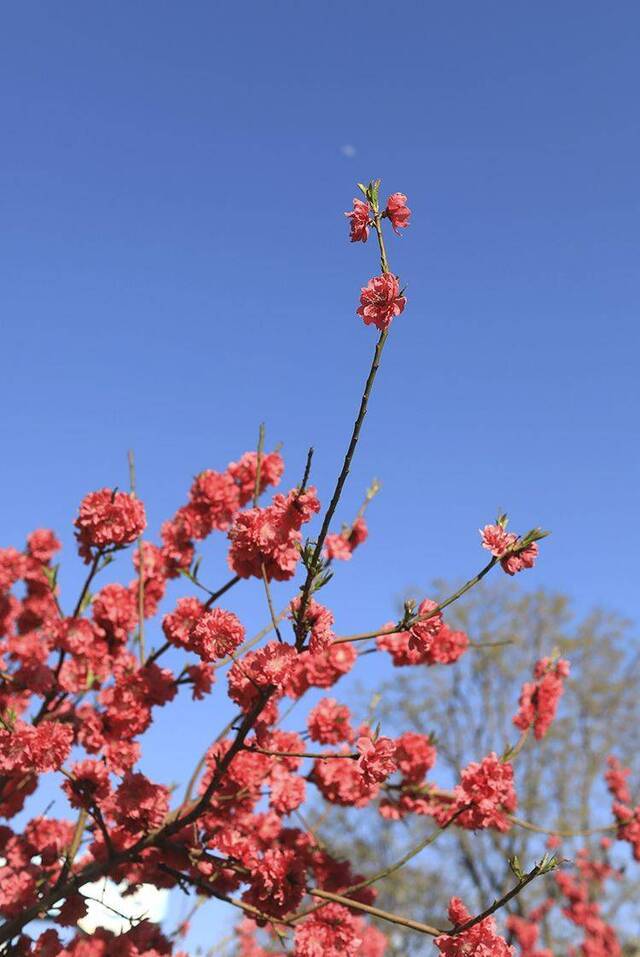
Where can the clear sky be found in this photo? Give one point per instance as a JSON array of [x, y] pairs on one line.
[[174, 269]]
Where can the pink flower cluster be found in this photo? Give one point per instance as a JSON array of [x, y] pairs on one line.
[[269, 538], [627, 817], [600, 939], [539, 698], [108, 519], [360, 217], [526, 931], [342, 545], [329, 722], [210, 634], [481, 940], [504, 545], [484, 798], [381, 301], [429, 640]]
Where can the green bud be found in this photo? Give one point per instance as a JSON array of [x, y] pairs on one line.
[[514, 864]]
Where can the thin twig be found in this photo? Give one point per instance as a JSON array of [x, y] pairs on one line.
[[400, 626], [522, 883], [132, 483], [313, 565], [376, 912], [319, 755]]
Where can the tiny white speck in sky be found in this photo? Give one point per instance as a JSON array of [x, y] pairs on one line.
[[348, 150]]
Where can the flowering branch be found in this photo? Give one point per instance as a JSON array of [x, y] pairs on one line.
[[376, 912], [405, 623]]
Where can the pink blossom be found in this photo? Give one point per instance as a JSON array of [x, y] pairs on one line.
[[359, 221], [380, 301], [329, 932], [398, 212], [539, 699], [377, 758], [329, 722], [481, 940], [108, 519]]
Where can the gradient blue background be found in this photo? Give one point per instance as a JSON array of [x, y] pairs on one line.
[[174, 269]]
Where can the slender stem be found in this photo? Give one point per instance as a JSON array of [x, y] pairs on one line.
[[346, 465], [377, 225], [272, 611], [392, 629], [396, 866], [342, 478], [73, 847], [221, 591], [559, 831], [253, 641], [201, 763], [256, 495], [301, 754], [307, 469], [234, 901], [157, 653], [132, 483], [522, 883], [260, 453], [87, 583], [376, 912]]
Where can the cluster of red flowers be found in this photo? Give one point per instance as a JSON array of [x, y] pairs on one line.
[[582, 908], [361, 216], [428, 640], [627, 817], [79, 690], [514, 554], [539, 698], [526, 930], [341, 545], [481, 940], [108, 519], [266, 541]]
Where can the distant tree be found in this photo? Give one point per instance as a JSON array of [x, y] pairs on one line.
[[469, 709]]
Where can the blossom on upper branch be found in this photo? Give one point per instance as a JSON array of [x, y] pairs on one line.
[[244, 471], [397, 212], [269, 537], [216, 498], [108, 519], [424, 629], [343, 544], [515, 553], [115, 612], [481, 940], [381, 301], [359, 221]]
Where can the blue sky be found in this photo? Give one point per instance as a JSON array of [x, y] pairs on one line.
[[174, 269]]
